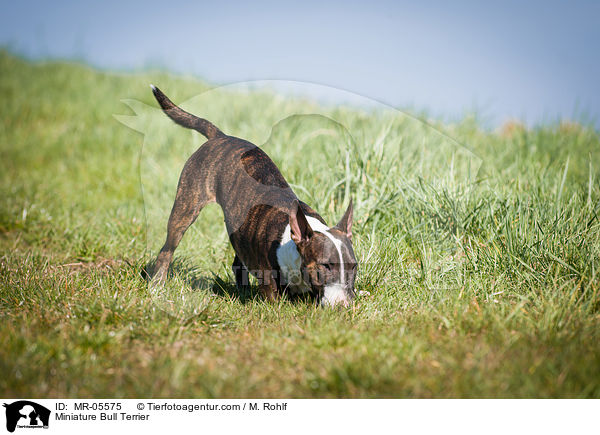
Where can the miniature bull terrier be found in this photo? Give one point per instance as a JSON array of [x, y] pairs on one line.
[[277, 238]]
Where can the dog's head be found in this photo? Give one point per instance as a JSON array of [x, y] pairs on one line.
[[328, 261]]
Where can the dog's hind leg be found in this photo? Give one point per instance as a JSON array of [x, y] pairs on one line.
[[189, 201], [182, 216]]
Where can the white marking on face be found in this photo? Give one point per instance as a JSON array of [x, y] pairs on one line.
[[290, 263], [334, 294], [338, 245]]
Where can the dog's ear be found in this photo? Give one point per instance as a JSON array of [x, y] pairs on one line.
[[300, 230], [345, 223]]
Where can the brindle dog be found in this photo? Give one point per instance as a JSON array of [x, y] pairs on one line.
[[280, 240]]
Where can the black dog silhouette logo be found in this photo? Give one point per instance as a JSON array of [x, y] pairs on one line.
[[26, 414]]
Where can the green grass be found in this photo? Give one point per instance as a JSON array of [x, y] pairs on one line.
[[481, 260]]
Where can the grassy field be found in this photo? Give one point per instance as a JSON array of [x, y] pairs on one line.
[[479, 251]]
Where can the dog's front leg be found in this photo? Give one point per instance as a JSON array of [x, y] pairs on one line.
[[241, 274], [268, 289]]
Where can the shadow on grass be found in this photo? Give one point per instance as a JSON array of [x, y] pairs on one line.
[[218, 286]]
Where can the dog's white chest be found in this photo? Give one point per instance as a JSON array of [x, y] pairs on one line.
[[289, 259], [290, 264]]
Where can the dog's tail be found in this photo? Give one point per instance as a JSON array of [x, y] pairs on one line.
[[184, 118]]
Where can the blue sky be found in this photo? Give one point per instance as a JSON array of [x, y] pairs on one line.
[[536, 61]]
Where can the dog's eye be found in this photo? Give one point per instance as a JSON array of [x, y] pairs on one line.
[[327, 266]]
